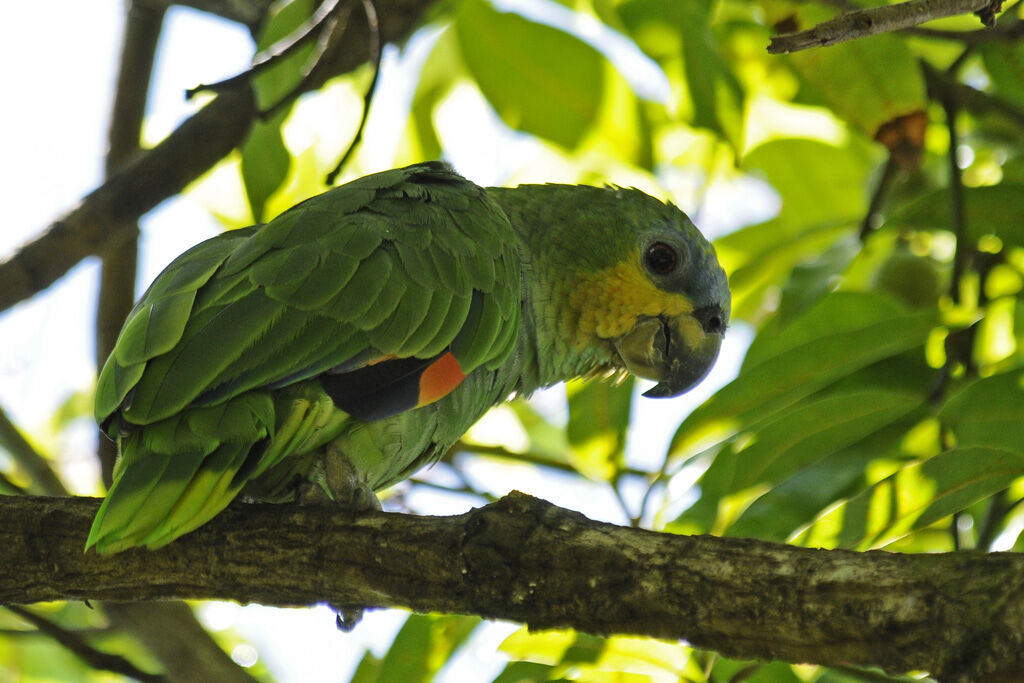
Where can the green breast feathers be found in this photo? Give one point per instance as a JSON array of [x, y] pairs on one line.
[[354, 338]]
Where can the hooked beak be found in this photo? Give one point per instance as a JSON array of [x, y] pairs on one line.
[[677, 352]]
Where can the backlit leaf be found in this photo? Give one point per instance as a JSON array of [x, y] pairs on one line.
[[539, 79], [845, 332]]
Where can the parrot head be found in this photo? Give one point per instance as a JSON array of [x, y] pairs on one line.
[[632, 283], [678, 345]]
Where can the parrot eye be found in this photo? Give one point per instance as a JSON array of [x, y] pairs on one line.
[[660, 258]]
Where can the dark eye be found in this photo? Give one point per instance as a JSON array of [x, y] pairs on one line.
[[660, 258]]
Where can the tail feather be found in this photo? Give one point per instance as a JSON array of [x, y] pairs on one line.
[[208, 492], [179, 474]]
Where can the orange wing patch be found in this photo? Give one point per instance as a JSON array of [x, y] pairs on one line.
[[439, 379]]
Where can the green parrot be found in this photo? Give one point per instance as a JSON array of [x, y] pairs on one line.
[[335, 350]]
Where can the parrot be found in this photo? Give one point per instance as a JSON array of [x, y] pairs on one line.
[[338, 348]]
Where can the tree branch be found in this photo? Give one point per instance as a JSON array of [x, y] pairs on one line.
[[248, 12], [73, 641], [106, 214], [190, 151], [868, 22], [44, 480], [529, 561], [143, 26]]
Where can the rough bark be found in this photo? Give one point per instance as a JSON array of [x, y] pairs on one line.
[[959, 616]]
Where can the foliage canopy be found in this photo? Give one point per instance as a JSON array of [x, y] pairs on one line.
[[881, 401]]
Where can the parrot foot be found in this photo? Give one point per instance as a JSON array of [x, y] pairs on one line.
[[334, 481], [347, 618]]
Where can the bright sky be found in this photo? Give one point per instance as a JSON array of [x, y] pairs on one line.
[[54, 139]]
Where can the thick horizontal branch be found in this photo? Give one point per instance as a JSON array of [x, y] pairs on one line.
[[868, 22], [526, 560]]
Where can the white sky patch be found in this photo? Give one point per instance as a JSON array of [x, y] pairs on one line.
[[195, 48]]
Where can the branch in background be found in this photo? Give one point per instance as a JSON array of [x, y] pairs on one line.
[[884, 19], [104, 216], [957, 209], [529, 561], [944, 87], [164, 624], [247, 12], [527, 458], [322, 19], [100, 661], [873, 218], [38, 468], [164, 171], [117, 275], [10, 486], [373, 25]]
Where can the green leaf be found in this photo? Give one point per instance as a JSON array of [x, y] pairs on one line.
[[441, 70], [791, 442], [809, 282], [526, 672], [539, 79], [823, 194], [917, 495], [598, 419], [1004, 62], [818, 183], [715, 92], [796, 501], [988, 412], [423, 645], [868, 82], [265, 163], [845, 332], [990, 210], [368, 670], [546, 439], [276, 81], [265, 159]]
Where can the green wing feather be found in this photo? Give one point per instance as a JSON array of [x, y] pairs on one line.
[[204, 389]]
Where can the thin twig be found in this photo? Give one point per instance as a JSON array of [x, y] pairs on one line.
[[464, 489], [373, 25], [634, 521], [868, 22], [998, 507], [38, 467], [273, 54], [957, 209], [942, 85], [532, 458], [101, 661], [325, 39], [873, 218], [873, 676]]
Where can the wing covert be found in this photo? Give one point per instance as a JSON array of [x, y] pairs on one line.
[[405, 264]]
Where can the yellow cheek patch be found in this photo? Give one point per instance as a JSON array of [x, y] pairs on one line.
[[609, 302]]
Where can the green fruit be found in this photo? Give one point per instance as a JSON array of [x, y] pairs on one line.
[[915, 280]]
